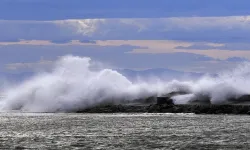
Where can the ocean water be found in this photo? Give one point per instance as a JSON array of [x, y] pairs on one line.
[[123, 131]]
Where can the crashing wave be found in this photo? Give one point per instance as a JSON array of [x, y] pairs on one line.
[[72, 85]]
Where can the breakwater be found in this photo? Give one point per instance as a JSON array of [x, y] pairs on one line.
[[169, 108]]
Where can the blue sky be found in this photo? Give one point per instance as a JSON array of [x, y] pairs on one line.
[[75, 9], [190, 35]]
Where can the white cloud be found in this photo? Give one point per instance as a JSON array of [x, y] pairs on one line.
[[182, 28], [84, 27]]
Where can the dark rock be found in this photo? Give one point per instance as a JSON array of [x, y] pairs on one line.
[[241, 99], [164, 100], [248, 112], [165, 108], [200, 104]]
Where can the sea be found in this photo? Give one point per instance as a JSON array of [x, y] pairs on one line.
[[138, 131]]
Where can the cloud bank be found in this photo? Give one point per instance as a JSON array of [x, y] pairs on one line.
[[213, 29]]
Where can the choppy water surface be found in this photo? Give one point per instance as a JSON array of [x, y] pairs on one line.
[[123, 131]]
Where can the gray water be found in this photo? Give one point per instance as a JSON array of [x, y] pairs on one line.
[[123, 131]]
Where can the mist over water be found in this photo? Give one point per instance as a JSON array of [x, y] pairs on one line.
[[72, 84]]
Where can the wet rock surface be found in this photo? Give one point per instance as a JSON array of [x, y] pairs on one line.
[[165, 104], [166, 108]]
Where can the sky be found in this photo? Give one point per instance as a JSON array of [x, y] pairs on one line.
[[192, 35]]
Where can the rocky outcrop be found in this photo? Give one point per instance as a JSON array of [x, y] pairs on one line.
[[205, 99], [244, 99], [201, 104], [165, 108]]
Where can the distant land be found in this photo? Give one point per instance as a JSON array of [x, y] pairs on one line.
[[162, 73]]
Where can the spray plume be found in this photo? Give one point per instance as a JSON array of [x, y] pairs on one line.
[[72, 85]]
